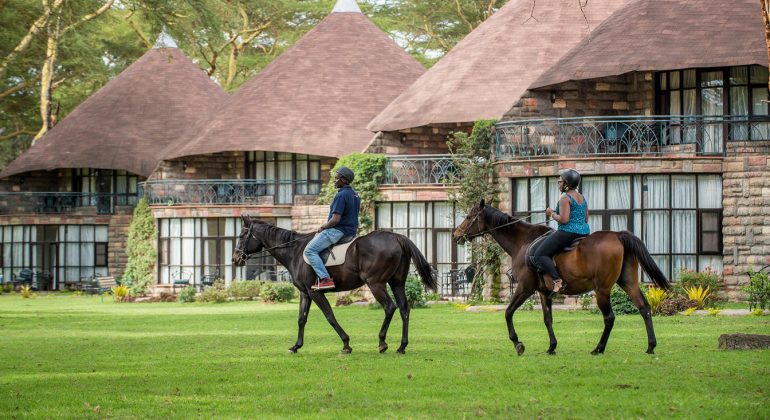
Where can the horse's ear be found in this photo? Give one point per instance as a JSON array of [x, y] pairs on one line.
[[245, 218], [481, 204]]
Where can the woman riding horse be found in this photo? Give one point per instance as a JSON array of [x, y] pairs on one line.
[[599, 261]]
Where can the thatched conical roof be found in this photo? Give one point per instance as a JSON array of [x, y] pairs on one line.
[[667, 35], [487, 72], [131, 120], [315, 98]]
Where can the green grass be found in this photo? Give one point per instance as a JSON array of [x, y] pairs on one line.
[[74, 356]]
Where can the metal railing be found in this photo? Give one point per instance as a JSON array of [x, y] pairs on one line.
[[63, 202], [224, 191], [420, 169], [626, 135]]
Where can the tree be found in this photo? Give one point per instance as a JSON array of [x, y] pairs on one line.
[[765, 4], [472, 156], [140, 249]]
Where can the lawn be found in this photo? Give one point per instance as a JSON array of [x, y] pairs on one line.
[[76, 356]]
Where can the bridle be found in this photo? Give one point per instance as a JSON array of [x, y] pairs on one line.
[[250, 235], [485, 231]]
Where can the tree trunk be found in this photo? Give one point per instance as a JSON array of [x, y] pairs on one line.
[[36, 27], [46, 80], [765, 7]]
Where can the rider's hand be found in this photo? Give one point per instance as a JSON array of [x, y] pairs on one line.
[[320, 229], [548, 213]]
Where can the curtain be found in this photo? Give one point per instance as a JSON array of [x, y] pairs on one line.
[[383, 216], [680, 262], [739, 109], [522, 196], [683, 192], [759, 130], [684, 232], [284, 187], [710, 191], [302, 176], [655, 192], [400, 217], [537, 194], [618, 222], [593, 191], [417, 225], [689, 107], [445, 217], [711, 261], [618, 193]]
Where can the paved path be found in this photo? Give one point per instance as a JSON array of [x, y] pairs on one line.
[[498, 308]]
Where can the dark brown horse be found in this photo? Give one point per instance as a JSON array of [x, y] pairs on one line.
[[599, 261], [377, 259]]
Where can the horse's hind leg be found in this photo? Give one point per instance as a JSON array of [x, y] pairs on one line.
[[380, 293], [603, 302], [548, 320], [322, 303], [304, 308], [519, 297], [629, 282], [403, 306]]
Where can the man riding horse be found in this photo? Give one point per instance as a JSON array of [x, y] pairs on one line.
[[342, 222]]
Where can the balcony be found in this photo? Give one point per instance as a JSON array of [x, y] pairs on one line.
[[63, 202], [226, 191], [626, 136], [420, 170]]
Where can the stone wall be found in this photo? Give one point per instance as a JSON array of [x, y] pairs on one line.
[[628, 94], [746, 213], [425, 140]]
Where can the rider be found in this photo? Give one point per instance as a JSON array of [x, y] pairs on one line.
[[342, 221], [573, 224]]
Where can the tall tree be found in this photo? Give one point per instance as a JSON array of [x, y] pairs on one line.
[[765, 4]]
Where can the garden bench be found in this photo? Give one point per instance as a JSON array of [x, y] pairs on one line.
[[101, 285], [180, 278]]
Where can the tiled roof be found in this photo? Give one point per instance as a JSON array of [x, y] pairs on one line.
[[666, 35], [487, 72], [130, 121]]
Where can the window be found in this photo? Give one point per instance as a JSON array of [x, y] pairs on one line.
[[738, 94], [679, 217], [284, 174], [104, 188], [429, 225], [100, 257], [205, 247]]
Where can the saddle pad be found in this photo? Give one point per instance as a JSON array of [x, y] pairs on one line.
[[528, 254], [336, 255]]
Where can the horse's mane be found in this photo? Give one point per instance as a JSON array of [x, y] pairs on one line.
[[279, 235], [496, 217]]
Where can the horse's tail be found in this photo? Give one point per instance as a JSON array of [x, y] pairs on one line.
[[427, 274], [635, 247]]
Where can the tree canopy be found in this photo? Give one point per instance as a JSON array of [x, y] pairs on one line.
[[54, 53]]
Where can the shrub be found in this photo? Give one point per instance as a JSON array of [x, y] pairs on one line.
[[7, 287], [432, 296], [621, 303], [528, 305], [187, 295], [689, 311], [26, 292], [277, 291], [704, 279], [714, 311], [244, 289], [655, 297], [415, 292], [214, 294], [140, 250], [758, 290], [344, 300], [586, 300], [119, 293], [698, 295]]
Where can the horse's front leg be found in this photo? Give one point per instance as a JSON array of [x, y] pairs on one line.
[[320, 300], [304, 308], [519, 297], [547, 304]]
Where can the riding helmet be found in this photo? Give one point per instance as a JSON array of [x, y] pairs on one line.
[[346, 173], [571, 177]]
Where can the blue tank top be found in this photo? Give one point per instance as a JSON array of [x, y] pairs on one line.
[[577, 217]]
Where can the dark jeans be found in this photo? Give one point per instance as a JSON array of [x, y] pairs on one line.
[[542, 257]]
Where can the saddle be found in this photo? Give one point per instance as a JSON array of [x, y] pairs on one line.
[[335, 254], [528, 254]]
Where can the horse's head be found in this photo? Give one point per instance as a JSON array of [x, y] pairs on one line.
[[473, 225], [248, 242]]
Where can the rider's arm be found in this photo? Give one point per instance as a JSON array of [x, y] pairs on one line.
[[563, 216], [335, 219], [584, 199]]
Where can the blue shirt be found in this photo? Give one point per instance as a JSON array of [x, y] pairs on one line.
[[577, 217], [346, 203]]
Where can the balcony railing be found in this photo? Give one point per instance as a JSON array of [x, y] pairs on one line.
[[225, 191], [63, 202], [420, 169], [627, 135]]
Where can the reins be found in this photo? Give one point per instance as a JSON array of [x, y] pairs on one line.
[[251, 235]]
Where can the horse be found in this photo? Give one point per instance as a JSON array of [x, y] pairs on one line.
[[376, 259], [598, 262]]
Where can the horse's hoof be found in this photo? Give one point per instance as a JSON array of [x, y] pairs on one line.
[[650, 351], [597, 352], [519, 348], [551, 352], [347, 350], [383, 348], [292, 351], [401, 351]]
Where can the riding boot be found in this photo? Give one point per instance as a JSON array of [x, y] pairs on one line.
[[323, 284]]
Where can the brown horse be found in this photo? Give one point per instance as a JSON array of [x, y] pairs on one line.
[[377, 259], [599, 261]]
